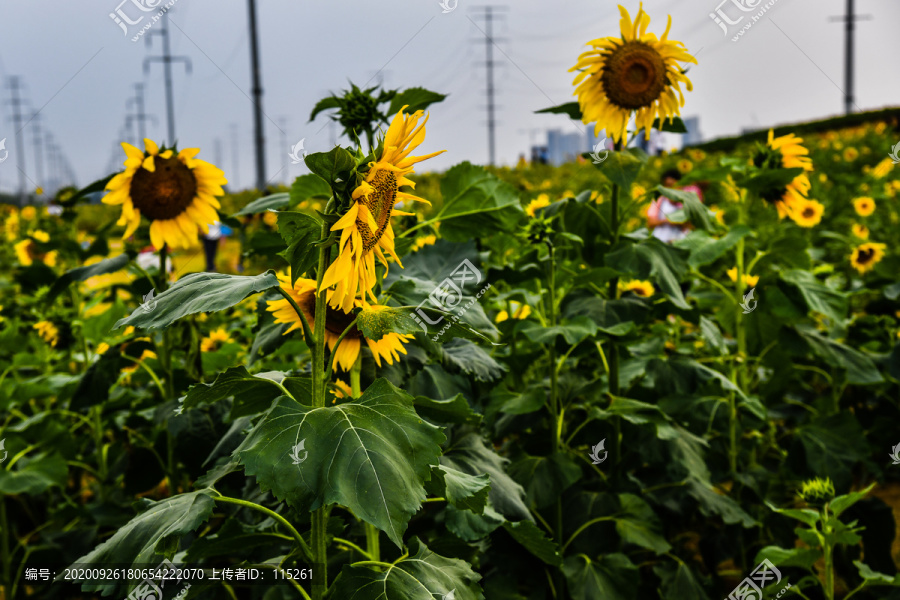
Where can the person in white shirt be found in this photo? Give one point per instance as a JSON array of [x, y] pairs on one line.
[[211, 245], [663, 229]]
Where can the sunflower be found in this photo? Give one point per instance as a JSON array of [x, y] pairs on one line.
[[644, 289], [864, 206], [786, 152], [177, 192], [366, 230], [29, 213], [860, 231], [866, 256], [215, 340], [303, 292], [808, 213], [883, 168], [48, 332], [11, 226], [27, 253], [685, 166], [749, 280], [427, 240], [520, 311], [636, 74], [540, 202], [40, 235], [851, 154]]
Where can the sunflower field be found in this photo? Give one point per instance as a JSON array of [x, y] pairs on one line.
[[487, 383]]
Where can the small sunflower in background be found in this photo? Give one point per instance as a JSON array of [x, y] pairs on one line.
[[860, 231], [815, 491], [808, 213], [638, 74], [48, 332], [366, 231], [303, 292], [644, 289], [749, 280], [176, 192], [883, 168], [29, 213], [215, 340], [540, 202], [864, 206], [865, 256], [685, 166], [519, 312], [427, 240], [786, 152]]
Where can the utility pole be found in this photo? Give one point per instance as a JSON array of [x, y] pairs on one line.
[[16, 101], [489, 40], [257, 91], [849, 20], [235, 155], [37, 134], [167, 59]]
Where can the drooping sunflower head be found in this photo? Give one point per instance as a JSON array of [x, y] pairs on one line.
[[57, 333], [637, 73], [303, 292], [366, 231], [176, 192], [786, 152], [865, 256]]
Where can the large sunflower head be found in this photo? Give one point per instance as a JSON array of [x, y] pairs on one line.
[[303, 292], [366, 231], [866, 256], [176, 192], [786, 152], [637, 74]]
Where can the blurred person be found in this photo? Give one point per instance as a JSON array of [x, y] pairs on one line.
[[211, 242], [664, 229]]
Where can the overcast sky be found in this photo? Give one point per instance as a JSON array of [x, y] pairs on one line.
[[78, 69]]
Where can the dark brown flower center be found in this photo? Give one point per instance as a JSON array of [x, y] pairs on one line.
[[865, 256], [336, 321], [166, 192], [635, 76], [380, 203], [809, 213]]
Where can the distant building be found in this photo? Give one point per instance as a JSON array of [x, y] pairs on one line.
[[693, 136]]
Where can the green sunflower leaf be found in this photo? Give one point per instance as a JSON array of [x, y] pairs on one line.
[[195, 293], [423, 576], [611, 577], [570, 109], [308, 186], [476, 204], [34, 475], [694, 211], [372, 455], [416, 98], [251, 393], [331, 166], [464, 491], [535, 541], [300, 231], [623, 167], [260, 205], [818, 296], [147, 536], [860, 368], [675, 125]]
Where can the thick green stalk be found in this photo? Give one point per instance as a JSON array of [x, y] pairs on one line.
[[319, 518]]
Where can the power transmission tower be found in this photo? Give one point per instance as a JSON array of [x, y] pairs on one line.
[[257, 91], [139, 116], [235, 155], [38, 136], [167, 59], [849, 20], [282, 126], [488, 14], [15, 86]]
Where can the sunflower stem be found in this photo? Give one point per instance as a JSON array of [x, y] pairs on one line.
[[319, 518]]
